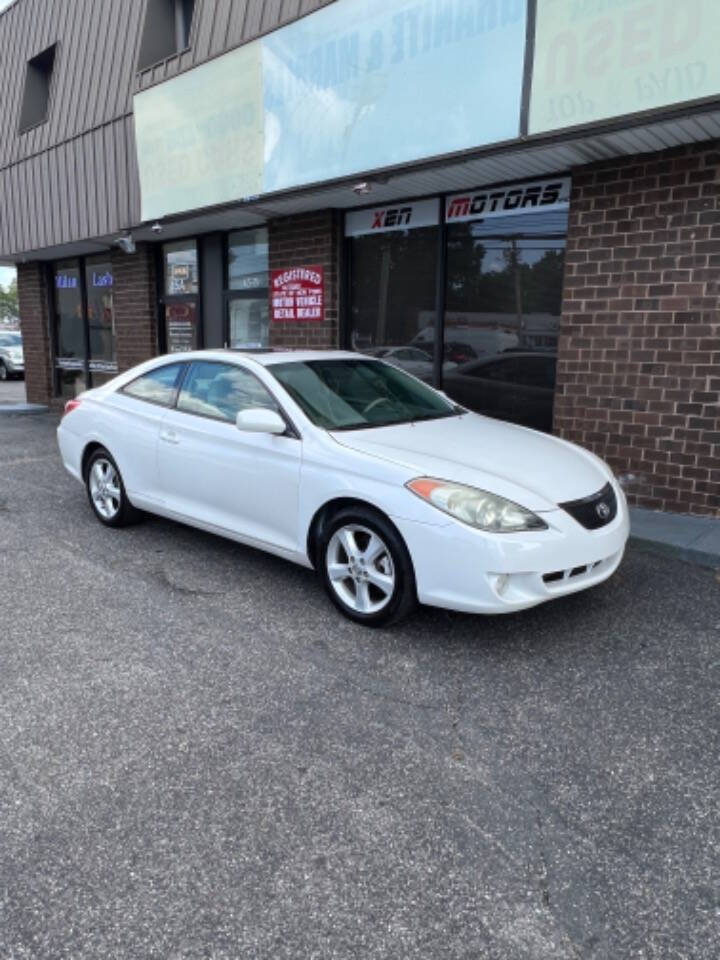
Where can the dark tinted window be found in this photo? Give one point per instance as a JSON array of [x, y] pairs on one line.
[[158, 386], [393, 292], [221, 391]]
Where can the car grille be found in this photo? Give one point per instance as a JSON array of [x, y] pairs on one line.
[[595, 511]]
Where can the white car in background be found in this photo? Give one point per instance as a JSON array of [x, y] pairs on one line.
[[346, 464], [410, 359], [12, 358]]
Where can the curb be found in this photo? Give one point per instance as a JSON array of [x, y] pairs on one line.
[[699, 558], [22, 408]]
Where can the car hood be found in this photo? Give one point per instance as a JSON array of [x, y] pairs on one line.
[[531, 468]]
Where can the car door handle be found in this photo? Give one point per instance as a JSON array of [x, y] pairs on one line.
[[169, 436]]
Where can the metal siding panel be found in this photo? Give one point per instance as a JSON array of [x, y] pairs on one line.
[[121, 165], [205, 16], [242, 16], [110, 53], [220, 28], [133, 173], [270, 14]]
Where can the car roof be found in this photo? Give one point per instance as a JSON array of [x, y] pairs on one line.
[[266, 358]]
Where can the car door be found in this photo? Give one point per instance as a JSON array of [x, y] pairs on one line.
[[211, 472], [129, 423]]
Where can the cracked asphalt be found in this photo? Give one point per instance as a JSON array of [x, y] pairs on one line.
[[200, 759]]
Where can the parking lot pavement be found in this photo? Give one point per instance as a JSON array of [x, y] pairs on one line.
[[200, 759], [12, 391]]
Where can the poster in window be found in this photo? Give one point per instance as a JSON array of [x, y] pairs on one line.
[[181, 321], [297, 295]]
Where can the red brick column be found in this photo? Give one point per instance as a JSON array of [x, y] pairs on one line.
[[301, 241], [639, 353], [135, 305], [35, 327]]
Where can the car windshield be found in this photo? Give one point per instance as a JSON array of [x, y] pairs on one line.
[[10, 340], [354, 394]]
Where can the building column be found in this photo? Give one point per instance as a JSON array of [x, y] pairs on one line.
[[303, 241], [639, 354], [35, 327], [135, 305]]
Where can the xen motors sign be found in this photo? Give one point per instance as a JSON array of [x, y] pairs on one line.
[[397, 216], [506, 201]]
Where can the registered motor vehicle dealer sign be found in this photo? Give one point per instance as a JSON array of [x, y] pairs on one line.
[[297, 295]]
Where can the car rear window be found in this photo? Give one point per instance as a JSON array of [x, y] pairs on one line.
[[157, 386]]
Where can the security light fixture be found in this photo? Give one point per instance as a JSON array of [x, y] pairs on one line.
[[126, 243], [362, 188]]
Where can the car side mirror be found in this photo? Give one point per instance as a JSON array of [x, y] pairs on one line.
[[260, 420]]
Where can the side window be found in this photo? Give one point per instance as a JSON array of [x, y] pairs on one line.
[[158, 386], [221, 390]]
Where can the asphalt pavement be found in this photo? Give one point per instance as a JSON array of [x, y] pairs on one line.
[[200, 759]]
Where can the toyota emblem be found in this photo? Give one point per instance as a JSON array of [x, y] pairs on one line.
[[603, 511]]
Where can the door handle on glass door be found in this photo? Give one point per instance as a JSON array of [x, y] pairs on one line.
[[169, 436]]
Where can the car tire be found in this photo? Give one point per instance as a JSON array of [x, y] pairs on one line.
[[3, 371], [106, 491], [365, 567]]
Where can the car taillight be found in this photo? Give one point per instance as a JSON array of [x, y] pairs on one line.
[[70, 406]]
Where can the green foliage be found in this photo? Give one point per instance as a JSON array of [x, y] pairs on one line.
[[9, 308]]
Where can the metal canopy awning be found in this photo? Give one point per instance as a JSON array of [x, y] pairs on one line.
[[532, 158]]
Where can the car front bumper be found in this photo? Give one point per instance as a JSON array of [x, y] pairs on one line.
[[460, 568]]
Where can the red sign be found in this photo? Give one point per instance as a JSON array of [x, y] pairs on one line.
[[297, 295]]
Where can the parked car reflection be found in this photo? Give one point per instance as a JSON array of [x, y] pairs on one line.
[[411, 359], [514, 386]]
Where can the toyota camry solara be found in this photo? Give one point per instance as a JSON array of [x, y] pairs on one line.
[[347, 464]]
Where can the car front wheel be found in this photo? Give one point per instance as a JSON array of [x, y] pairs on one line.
[[366, 568], [106, 491]]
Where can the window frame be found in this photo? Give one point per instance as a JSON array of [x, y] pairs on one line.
[[81, 263], [23, 130], [291, 429], [230, 294]]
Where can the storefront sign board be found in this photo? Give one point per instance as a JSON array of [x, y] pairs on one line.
[[395, 216], [596, 59], [537, 196], [297, 295]]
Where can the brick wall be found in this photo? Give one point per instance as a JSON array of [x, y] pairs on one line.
[[302, 241], [35, 327], [135, 305], [639, 352]]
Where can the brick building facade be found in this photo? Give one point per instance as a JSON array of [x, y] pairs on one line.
[[639, 353]]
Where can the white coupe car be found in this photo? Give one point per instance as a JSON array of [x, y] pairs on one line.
[[343, 463]]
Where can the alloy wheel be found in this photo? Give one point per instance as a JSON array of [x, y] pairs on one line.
[[360, 569], [105, 488]]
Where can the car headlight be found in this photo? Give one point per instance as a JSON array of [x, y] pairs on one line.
[[478, 508]]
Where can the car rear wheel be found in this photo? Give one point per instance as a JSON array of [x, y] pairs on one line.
[[366, 568], [106, 491]]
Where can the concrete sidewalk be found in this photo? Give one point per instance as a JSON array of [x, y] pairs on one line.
[[693, 539], [14, 401]]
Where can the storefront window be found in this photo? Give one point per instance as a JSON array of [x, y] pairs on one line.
[[502, 291], [393, 297], [248, 260], [69, 327], [181, 268], [181, 300], [503, 304], [248, 315], [101, 319]]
